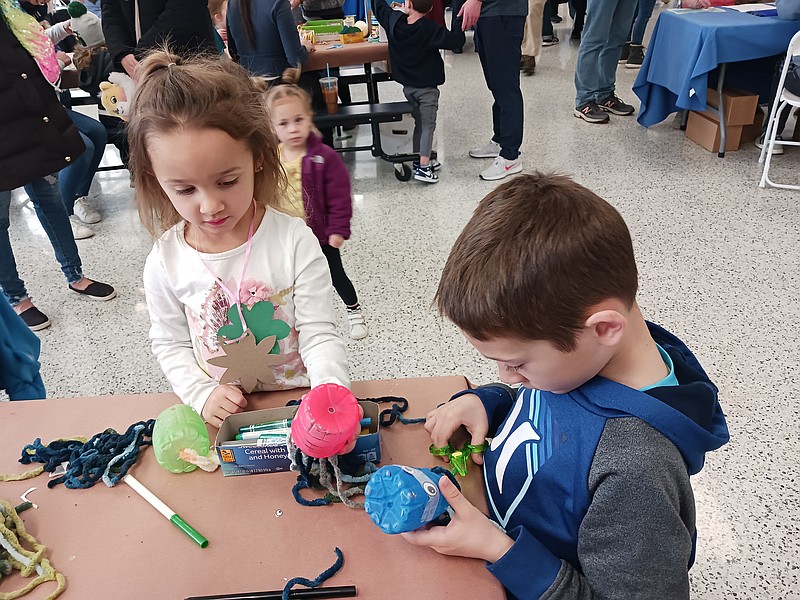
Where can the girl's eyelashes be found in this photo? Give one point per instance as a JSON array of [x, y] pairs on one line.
[[230, 183], [188, 190], [184, 191]]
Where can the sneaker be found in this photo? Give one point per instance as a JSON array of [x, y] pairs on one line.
[[776, 149], [425, 174], [434, 164], [502, 168], [96, 291], [528, 65], [85, 211], [358, 329], [549, 40], [626, 52], [79, 230], [635, 57], [615, 106], [591, 112], [555, 19], [490, 150], [34, 319]]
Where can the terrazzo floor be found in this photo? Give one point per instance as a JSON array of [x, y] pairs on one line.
[[718, 265]]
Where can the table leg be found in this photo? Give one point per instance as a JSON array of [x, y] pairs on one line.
[[721, 110]]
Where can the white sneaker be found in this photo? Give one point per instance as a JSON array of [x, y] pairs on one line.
[[358, 329], [490, 150], [79, 230], [84, 210], [502, 168]]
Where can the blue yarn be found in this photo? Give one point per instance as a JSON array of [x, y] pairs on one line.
[[319, 580], [107, 456], [395, 413]]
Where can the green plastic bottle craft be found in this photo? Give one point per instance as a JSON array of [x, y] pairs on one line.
[[181, 442]]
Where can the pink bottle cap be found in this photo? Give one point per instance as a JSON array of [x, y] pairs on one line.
[[326, 420]]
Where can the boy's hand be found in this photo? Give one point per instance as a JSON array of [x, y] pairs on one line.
[[466, 410], [469, 13], [224, 400], [335, 240], [470, 533]]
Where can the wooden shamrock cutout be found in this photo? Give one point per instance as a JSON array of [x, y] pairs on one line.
[[259, 321], [247, 362]]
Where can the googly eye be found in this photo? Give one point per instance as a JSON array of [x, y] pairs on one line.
[[430, 489], [408, 470]]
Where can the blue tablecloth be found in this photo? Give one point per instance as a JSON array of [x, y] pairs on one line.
[[686, 46]]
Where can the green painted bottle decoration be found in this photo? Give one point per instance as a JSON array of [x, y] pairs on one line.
[[179, 429]]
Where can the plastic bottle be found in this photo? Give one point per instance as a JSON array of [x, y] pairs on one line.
[[177, 428], [400, 499], [327, 420]]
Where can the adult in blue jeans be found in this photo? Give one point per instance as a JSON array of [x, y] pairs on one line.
[[499, 28], [633, 50], [76, 179], [37, 139], [605, 32]]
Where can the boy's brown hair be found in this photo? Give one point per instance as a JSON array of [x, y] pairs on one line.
[[215, 7], [198, 93], [422, 6], [538, 253]]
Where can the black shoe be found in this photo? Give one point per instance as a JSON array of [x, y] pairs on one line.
[[591, 113], [549, 40], [34, 319], [96, 291], [575, 35], [635, 57], [425, 174], [528, 65], [615, 106], [434, 164], [556, 19], [626, 51], [458, 50]]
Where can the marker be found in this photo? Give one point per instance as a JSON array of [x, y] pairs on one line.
[[282, 424], [165, 510], [265, 441], [255, 435]]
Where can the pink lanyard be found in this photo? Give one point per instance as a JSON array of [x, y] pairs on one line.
[[234, 299]]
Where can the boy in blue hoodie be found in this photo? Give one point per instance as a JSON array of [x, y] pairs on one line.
[[587, 473], [414, 44]]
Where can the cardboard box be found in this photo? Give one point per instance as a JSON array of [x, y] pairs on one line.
[[705, 132], [249, 459], [750, 133], [740, 106]]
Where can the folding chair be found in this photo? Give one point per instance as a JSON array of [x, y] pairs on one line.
[[783, 100]]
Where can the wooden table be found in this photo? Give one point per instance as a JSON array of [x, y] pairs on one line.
[[109, 542], [347, 55]]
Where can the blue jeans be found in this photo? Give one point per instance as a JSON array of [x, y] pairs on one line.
[[500, 52], [46, 199], [642, 14], [76, 179], [605, 32]]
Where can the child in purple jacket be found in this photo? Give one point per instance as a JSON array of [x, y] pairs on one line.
[[318, 190]]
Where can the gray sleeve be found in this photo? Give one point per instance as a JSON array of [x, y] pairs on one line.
[[635, 541]]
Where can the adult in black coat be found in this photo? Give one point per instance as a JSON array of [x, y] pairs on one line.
[[185, 24], [37, 139]]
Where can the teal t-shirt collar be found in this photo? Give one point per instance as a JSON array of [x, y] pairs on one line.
[[670, 379]]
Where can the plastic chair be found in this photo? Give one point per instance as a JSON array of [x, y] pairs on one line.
[[784, 99]]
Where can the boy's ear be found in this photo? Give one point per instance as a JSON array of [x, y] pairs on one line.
[[608, 326]]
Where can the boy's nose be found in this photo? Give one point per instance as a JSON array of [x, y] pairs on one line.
[[509, 377]]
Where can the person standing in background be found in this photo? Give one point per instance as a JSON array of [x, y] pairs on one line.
[[132, 27], [532, 39]]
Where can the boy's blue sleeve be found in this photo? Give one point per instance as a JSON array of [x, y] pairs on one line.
[[497, 400], [528, 569], [19, 357], [451, 39]]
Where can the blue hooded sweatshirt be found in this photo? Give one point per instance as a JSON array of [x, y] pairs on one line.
[[593, 485]]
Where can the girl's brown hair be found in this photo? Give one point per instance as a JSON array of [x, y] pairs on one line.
[[200, 93]]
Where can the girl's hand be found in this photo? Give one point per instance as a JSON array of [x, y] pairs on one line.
[[224, 400], [466, 410], [470, 533], [335, 240]]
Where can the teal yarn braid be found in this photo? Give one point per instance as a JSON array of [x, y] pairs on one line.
[[316, 582], [106, 457]]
